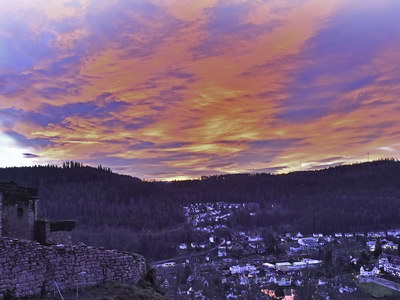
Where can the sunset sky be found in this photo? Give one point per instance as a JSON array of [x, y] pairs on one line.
[[175, 89]]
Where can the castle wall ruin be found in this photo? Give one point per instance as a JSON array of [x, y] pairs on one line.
[[29, 268]]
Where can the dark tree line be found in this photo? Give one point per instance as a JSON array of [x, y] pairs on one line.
[[111, 208]]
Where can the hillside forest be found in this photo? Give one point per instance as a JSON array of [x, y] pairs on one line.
[[124, 212]]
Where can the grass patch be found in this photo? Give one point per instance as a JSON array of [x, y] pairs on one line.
[[377, 291], [110, 291]]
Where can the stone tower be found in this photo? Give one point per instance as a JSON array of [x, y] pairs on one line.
[[18, 211]]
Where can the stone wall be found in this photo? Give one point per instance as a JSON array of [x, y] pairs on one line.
[[28, 268]]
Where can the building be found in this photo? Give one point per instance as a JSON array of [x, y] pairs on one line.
[[371, 245], [393, 232], [390, 246], [18, 211], [390, 264], [283, 266], [376, 234], [282, 280], [53, 232], [222, 251], [368, 271], [295, 266], [183, 246], [19, 217], [308, 243], [241, 269]]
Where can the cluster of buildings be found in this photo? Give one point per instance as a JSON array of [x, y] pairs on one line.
[[238, 264]]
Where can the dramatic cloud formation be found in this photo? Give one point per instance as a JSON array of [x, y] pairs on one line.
[[168, 89]]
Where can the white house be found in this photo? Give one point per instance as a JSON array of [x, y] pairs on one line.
[[282, 280], [390, 245], [390, 264], [312, 262], [295, 249], [241, 269], [183, 246], [222, 251], [322, 281], [371, 245], [369, 271], [253, 239], [283, 266], [393, 232], [376, 234]]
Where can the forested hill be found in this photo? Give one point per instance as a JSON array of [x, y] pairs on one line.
[[96, 196], [363, 196], [110, 206]]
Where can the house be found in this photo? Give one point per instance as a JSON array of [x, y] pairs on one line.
[[368, 271], [390, 246], [241, 269], [390, 264], [360, 234], [244, 280], [317, 235], [202, 245], [168, 264], [393, 232], [349, 235], [371, 245], [312, 262], [376, 234], [268, 265], [295, 249], [298, 265], [222, 251], [282, 280], [183, 246], [254, 239], [338, 235]]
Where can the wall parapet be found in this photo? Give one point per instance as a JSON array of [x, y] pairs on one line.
[[29, 268]]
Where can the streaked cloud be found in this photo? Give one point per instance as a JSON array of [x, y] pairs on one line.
[[167, 89]]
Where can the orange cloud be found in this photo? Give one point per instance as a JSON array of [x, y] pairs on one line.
[[168, 89]]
